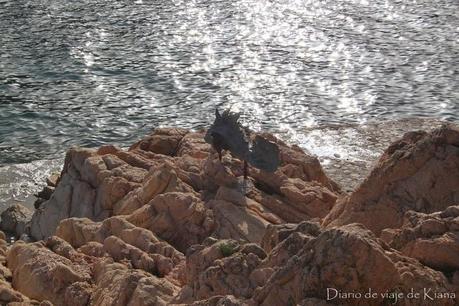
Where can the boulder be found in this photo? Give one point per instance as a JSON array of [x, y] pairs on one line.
[[220, 269], [162, 141], [98, 184], [82, 233], [42, 274], [193, 145], [117, 285], [9, 296], [161, 179], [179, 218], [15, 219], [282, 242], [349, 259], [91, 182], [238, 223], [419, 172], [116, 226], [433, 239]]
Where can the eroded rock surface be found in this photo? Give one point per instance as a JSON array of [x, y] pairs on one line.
[[433, 239], [174, 166], [420, 172], [223, 268], [15, 219], [167, 223], [350, 259]]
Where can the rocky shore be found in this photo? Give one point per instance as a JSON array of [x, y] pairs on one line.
[[165, 223]]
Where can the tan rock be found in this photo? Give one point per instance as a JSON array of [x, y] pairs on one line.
[[179, 218], [162, 179], [419, 172], [189, 170], [53, 179], [90, 185], [193, 145], [90, 237], [218, 174], [275, 234], [15, 219], [94, 249], [223, 268], [430, 238], [239, 223], [123, 220], [349, 259], [8, 295], [253, 207], [111, 191], [292, 200], [282, 242], [153, 263], [162, 141], [310, 198], [43, 275], [117, 285]]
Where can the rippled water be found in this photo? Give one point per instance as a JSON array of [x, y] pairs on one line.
[[94, 72]]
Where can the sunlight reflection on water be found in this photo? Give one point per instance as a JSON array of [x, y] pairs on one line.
[[95, 72]]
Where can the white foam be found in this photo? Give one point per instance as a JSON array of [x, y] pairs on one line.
[[19, 182]]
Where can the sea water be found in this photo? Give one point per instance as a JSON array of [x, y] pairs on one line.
[[93, 72]]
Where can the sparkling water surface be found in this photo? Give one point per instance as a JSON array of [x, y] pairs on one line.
[[93, 72]]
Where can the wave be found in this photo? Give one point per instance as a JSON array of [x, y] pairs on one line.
[[19, 182]]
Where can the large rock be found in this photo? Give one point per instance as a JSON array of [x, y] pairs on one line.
[[180, 218], [349, 259], [42, 274], [117, 285], [433, 239], [284, 198], [15, 219], [221, 268], [97, 184], [55, 271], [162, 141], [420, 172], [91, 182], [8, 295], [118, 224], [118, 238], [161, 179], [91, 185], [284, 241]]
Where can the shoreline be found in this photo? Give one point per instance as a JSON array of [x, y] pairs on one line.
[[167, 223], [359, 150], [361, 145]]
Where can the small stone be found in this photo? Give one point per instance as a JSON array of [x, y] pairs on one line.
[[15, 218], [53, 179], [46, 192]]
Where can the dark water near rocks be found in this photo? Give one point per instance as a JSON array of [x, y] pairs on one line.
[[94, 72]]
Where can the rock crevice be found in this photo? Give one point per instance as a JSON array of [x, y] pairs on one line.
[[167, 223]]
